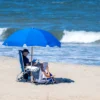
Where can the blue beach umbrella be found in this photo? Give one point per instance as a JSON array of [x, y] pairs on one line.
[[31, 37]]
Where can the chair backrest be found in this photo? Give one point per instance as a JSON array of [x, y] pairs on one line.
[[21, 60]]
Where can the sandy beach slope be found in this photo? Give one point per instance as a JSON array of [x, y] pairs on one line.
[[75, 82]]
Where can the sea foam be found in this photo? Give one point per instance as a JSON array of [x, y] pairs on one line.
[[80, 37], [2, 30]]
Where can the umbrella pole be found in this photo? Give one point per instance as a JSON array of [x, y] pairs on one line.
[[31, 63]]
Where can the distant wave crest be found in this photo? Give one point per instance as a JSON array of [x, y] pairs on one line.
[[68, 36], [5, 32], [80, 37], [2, 30]]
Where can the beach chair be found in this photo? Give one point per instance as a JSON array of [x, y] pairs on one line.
[[43, 79], [21, 75], [24, 74]]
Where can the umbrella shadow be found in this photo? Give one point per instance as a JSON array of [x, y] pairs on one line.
[[58, 80], [64, 80]]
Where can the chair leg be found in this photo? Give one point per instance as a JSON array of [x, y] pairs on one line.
[[18, 79]]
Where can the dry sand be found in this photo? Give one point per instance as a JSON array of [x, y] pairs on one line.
[[75, 82]]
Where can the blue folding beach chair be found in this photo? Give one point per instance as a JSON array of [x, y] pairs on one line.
[[23, 74]]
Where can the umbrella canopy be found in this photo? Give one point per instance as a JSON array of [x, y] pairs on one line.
[[32, 37]]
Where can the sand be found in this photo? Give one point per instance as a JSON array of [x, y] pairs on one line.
[[75, 82]]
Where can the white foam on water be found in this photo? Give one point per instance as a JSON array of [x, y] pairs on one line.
[[2, 30], [80, 37]]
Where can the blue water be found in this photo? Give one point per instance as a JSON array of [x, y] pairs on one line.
[[87, 54], [53, 15], [76, 23]]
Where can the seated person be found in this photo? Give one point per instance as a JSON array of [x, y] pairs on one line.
[[44, 67], [26, 62], [25, 53]]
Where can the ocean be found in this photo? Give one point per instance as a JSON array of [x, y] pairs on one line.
[[76, 23]]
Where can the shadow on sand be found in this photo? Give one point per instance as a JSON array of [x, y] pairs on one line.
[[58, 80], [64, 80]]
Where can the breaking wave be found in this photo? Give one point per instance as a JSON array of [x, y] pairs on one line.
[[5, 32], [80, 37], [2, 30], [67, 36]]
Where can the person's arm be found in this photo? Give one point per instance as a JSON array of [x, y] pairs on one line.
[[27, 62]]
